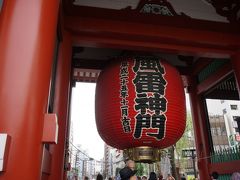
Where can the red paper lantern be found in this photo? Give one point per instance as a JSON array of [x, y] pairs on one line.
[[140, 102]]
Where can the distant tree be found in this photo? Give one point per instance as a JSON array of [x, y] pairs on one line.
[[185, 142], [140, 169], [172, 161]]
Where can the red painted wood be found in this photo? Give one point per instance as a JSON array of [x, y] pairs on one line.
[[200, 131], [84, 24], [134, 16], [214, 79], [44, 176], [61, 106], [50, 129], [147, 46], [226, 167], [46, 163], [92, 32], [27, 33]]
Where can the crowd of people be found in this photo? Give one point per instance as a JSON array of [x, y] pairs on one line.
[[235, 176], [129, 173]]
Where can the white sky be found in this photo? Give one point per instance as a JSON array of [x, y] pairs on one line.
[[83, 120]]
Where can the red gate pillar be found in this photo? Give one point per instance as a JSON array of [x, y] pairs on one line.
[[61, 106], [27, 33], [200, 131], [236, 67]]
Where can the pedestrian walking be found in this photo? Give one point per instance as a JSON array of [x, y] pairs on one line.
[[126, 174], [214, 175], [235, 176], [170, 177], [152, 176], [99, 177], [183, 177]]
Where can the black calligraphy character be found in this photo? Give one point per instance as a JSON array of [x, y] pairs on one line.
[[124, 101], [124, 81], [124, 111], [124, 71], [124, 91], [158, 121], [142, 121], [148, 64], [157, 104], [126, 124], [142, 103], [127, 129], [149, 82]]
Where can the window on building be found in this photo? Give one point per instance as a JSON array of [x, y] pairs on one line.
[[236, 118], [234, 107], [219, 131], [238, 124], [237, 130], [234, 123], [223, 131], [214, 131]]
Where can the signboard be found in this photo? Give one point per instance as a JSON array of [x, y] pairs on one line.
[[189, 152]]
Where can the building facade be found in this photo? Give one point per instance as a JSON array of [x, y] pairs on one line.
[[219, 132], [231, 112], [118, 161], [113, 161]]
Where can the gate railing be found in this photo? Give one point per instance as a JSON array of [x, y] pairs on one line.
[[226, 155], [224, 177]]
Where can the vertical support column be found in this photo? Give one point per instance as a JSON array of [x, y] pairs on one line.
[[61, 104], [200, 131], [236, 67], [27, 33]]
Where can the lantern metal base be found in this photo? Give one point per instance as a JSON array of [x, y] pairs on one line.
[[143, 154]]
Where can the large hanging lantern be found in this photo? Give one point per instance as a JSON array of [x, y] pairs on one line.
[[140, 102]]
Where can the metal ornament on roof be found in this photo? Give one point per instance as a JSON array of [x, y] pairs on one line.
[[157, 7], [140, 102]]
